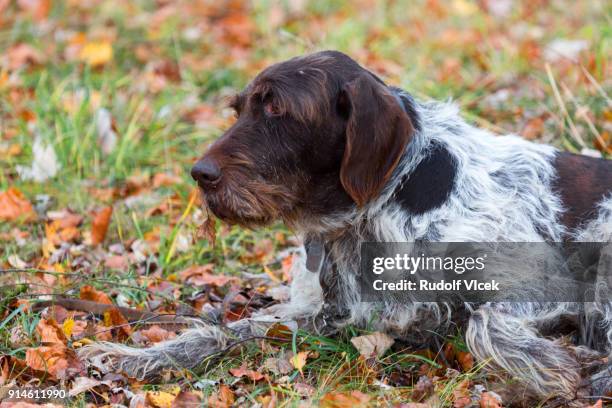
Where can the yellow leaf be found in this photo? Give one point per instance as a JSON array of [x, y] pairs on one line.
[[96, 53], [160, 399], [465, 8], [108, 320], [299, 360], [67, 327]]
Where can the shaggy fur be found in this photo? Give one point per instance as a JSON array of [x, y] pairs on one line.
[[502, 189]]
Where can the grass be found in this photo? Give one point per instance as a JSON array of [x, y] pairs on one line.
[[171, 68]]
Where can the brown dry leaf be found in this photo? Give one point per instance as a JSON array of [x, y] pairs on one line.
[[116, 262], [96, 53], [114, 318], [202, 275], [372, 345], [423, 388], [100, 225], [187, 399], [223, 399], [354, 399], [299, 360], [490, 400], [14, 205], [465, 360], [242, 371], [278, 366], [461, 395], [155, 334], [208, 231], [82, 384], [90, 293], [50, 332], [51, 359], [279, 331]]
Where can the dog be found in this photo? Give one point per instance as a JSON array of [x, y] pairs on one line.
[[342, 158]]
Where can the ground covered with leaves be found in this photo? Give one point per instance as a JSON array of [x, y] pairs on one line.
[[104, 106]]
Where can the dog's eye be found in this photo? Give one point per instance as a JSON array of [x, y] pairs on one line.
[[271, 109]]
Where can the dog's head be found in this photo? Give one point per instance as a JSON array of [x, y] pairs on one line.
[[314, 136]]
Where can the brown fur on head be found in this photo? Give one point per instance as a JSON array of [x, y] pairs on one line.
[[315, 135]]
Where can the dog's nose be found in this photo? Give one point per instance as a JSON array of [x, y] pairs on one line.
[[206, 171]]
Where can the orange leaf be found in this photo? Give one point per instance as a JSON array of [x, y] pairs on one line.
[[90, 293], [466, 360], [13, 206], [244, 372], [224, 399], [100, 225], [50, 332], [354, 399]]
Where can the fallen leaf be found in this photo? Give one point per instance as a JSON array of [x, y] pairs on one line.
[[299, 360], [107, 135], [278, 366], [423, 388], [68, 326], [118, 262], [223, 399], [461, 395], [45, 164], [82, 384], [155, 334], [564, 48], [21, 55], [490, 400], [533, 128], [354, 399], [14, 206], [465, 360], [242, 371], [96, 53], [160, 399], [88, 292], [186, 399], [202, 275], [372, 345], [100, 225], [50, 332], [208, 231]]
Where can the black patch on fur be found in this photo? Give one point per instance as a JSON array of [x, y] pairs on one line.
[[430, 183]]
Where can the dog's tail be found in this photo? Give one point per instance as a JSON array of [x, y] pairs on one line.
[[190, 350]]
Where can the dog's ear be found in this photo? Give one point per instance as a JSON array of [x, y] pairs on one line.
[[377, 132]]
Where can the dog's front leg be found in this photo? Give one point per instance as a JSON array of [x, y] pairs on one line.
[[506, 336]]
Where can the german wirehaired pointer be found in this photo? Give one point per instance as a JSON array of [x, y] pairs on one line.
[[342, 158]]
